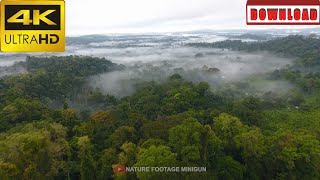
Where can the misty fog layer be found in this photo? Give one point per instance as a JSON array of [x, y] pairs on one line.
[[156, 57], [215, 66]]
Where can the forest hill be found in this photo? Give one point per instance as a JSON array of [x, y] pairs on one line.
[[174, 123]]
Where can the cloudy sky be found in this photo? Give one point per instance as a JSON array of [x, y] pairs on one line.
[[136, 16]]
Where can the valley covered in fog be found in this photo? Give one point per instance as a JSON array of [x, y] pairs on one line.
[[155, 57]]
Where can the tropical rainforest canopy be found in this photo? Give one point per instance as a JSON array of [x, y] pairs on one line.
[[44, 134]]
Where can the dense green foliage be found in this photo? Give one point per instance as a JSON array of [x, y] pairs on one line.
[[53, 77], [51, 81], [175, 123]]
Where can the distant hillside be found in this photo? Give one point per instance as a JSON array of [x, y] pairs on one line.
[[306, 48]]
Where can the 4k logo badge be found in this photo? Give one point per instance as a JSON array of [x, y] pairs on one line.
[[32, 26]]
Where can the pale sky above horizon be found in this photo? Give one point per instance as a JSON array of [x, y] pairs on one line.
[[138, 16]]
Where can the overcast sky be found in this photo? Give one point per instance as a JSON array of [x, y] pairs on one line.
[[138, 16]]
